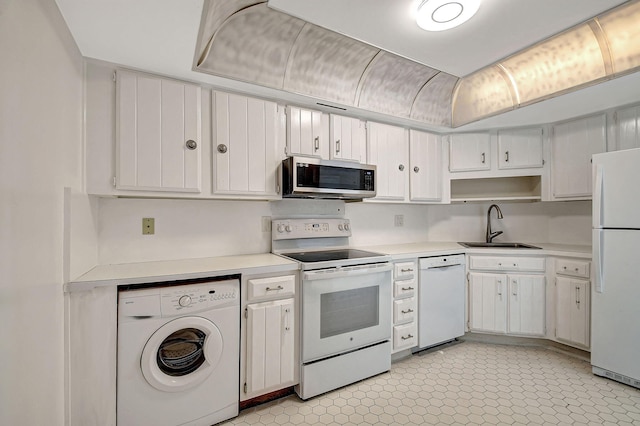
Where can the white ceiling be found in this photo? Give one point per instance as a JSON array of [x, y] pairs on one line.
[[160, 36], [499, 28]]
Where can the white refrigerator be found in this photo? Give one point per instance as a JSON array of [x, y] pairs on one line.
[[615, 301]]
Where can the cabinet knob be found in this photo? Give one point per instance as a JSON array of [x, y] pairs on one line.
[[416, 169], [191, 144], [222, 148], [401, 167]]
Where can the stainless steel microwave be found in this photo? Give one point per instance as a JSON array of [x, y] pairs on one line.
[[310, 177]]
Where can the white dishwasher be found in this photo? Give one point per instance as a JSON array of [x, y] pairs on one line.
[[440, 300]]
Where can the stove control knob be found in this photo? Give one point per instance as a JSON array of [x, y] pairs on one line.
[[347, 227], [184, 300], [288, 228], [341, 227], [280, 228]]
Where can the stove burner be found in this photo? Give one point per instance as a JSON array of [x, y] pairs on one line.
[[329, 255]]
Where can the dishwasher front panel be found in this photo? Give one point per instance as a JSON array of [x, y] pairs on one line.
[[441, 303]]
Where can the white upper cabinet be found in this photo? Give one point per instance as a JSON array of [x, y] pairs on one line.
[[469, 152], [520, 149], [572, 146], [158, 129], [348, 138], [425, 166], [245, 142], [306, 134], [628, 128], [388, 150]]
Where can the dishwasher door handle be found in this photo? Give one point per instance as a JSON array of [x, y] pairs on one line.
[[443, 266]]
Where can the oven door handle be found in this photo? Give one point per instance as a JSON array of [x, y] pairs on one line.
[[348, 271]]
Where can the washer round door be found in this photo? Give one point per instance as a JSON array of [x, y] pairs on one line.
[[181, 354]]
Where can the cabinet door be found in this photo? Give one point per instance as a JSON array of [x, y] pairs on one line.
[[526, 304], [245, 143], [628, 128], [389, 150], [469, 151], [158, 134], [572, 310], [519, 149], [488, 302], [348, 138], [305, 135], [270, 346], [425, 153], [572, 146]]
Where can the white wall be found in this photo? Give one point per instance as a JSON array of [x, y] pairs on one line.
[[41, 89], [183, 229]]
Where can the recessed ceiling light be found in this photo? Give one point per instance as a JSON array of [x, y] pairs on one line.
[[439, 15]]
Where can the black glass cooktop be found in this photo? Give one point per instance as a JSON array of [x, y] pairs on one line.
[[329, 255]]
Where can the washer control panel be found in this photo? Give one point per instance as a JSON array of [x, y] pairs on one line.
[[178, 299], [288, 229], [196, 297]]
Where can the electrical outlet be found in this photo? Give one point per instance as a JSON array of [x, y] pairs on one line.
[[266, 223], [148, 226], [398, 220]]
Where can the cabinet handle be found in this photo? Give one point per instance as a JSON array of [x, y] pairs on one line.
[[287, 327], [408, 311], [416, 169], [483, 158], [274, 289], [506, 153], [338, 146], [499, 289], [408, 336], [407, 288], [191, 144], [401, 167], [406, 270], [222, 148], [578, 297], [515, 288], [316, 143]]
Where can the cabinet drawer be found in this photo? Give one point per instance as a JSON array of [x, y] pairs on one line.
[[404, 310], [404, 288], [573, 268], [507, 263], [405, 270], [405, 336], [260, 288]]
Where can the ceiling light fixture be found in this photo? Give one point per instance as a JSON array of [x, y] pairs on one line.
[[440, 15]]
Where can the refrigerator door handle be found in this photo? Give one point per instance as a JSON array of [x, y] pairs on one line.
[[597, 195], [598, 260]]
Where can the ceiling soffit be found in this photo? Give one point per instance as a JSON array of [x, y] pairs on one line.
[[245, 40], [256, 44]]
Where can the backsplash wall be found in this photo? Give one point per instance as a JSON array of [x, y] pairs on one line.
[[205, 228]]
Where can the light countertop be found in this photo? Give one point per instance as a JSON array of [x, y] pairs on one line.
[[171, 270]]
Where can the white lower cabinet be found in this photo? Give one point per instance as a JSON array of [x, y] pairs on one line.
[[573, 291], [488, 302], [270, 345], [405, 305], [526, 304], [269, 335], [512, 303]]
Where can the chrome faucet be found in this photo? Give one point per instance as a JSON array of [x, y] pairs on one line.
[[491, 235]]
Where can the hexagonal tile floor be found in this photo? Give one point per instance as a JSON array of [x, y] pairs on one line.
[[468, 383]]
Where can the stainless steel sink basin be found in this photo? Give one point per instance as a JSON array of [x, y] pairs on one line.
[[498, 245]]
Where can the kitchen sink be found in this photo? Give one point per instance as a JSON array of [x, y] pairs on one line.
[[498, 245]]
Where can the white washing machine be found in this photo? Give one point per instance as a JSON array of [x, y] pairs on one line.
[[178, 354]]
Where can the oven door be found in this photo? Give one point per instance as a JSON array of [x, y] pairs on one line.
[[345, 309]]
